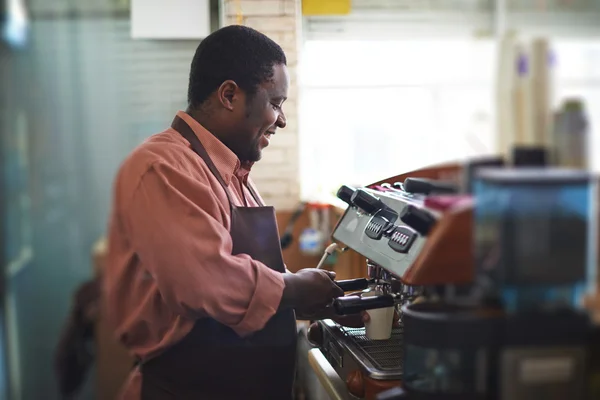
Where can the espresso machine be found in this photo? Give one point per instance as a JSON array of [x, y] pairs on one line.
[[488, 304], [391, 225]]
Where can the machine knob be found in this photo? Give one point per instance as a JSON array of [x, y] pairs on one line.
[[418, 219], [356, 384], [345, 193], [367, 202], [315, 334]]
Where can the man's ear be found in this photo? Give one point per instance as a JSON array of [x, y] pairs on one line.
[[228, 93]]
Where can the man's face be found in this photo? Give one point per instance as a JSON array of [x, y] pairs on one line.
[[261, 115]]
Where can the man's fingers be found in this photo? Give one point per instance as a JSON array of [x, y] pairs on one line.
[[337, 291], [396, 318], [365, 316], [350, 321], [331, 274]]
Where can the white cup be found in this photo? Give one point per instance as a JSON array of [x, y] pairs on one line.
[[381, 320]]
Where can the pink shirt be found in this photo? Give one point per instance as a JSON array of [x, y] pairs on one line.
[[169, 248]]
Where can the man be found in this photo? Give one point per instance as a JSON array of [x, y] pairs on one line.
[[195, 282]]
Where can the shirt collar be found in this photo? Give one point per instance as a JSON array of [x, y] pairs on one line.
[[225, 160]]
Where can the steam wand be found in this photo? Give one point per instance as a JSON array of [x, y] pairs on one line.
[[346, 285], [328, 251]]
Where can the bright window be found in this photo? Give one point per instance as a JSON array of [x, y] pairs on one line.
[[375, 109]]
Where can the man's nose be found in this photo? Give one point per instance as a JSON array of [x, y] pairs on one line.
[[281, 121]]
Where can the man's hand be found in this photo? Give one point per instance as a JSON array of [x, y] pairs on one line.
[[310, 289]]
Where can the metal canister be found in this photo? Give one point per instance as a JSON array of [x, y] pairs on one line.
[[571, 136]]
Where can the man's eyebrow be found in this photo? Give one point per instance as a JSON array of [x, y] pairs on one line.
[[279, 98]]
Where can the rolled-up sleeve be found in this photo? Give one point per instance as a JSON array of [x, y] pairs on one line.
[[177, 230]]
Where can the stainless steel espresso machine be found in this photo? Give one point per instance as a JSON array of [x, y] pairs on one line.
[[488, 303], [391, 225]]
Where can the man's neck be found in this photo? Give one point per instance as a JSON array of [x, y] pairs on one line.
[[206, 121], [202, 117]]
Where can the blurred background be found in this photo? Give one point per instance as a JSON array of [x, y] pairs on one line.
[[379, 87]]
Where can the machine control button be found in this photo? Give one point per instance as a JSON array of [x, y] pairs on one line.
[[402, 239], [366, 201], [376, 228], [418, 219], [345, 193]]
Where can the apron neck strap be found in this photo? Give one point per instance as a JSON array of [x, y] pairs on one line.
[[184, 130], [255, 195]]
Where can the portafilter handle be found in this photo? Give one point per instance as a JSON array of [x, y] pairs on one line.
[[355, 304], [350, 285]]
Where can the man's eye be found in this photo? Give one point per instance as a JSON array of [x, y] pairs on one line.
[[275, 107]]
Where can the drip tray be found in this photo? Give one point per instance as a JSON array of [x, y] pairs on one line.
[[382, 359], [386, 355]]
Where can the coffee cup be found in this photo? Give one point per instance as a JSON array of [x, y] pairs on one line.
[[381, 320]]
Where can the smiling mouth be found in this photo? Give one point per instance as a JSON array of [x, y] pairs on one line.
[[269, 134]]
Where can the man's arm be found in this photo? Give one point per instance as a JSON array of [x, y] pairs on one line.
[[176, 230]]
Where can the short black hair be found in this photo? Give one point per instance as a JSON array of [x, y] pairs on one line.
[[234, 52]]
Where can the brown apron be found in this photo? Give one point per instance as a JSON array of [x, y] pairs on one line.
[[212, 362]]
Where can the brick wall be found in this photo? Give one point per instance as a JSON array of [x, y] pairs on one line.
[[277, 174]]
